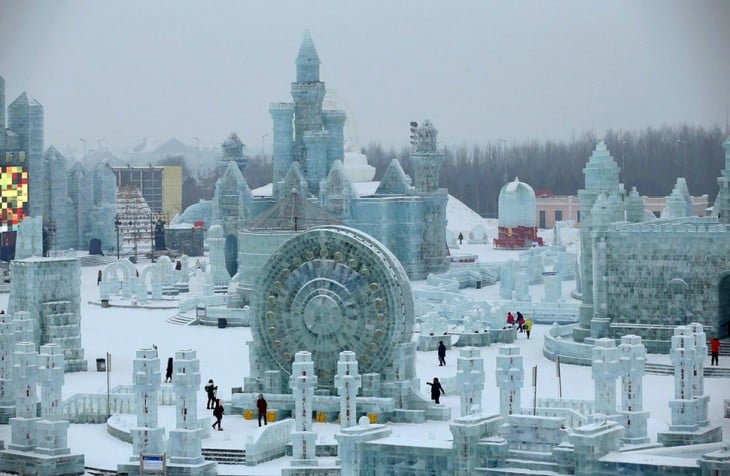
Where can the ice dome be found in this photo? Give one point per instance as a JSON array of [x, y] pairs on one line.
[[517, 205]]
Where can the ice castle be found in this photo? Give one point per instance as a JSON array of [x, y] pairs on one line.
[[647, 277], [406, 215]]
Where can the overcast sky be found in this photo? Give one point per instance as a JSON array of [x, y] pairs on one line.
[[117, 71]]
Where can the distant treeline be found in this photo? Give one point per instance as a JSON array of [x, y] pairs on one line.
[[650, 160]]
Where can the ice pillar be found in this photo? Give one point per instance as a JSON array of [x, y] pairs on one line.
[[507, 279], [147, 437], [7, 343], [698, 373], [689, 410], [347, 381], [216, 244], [303, 382], [684, 406], [470, 378], [510, 376], [51, 430], [25, 377], [605, 369], [282, 115], [184, 441], [633, 360]]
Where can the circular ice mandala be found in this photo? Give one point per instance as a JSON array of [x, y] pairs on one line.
[[327, 290]]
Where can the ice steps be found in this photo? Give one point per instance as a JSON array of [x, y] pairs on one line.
[[224, 456], [181, 320]]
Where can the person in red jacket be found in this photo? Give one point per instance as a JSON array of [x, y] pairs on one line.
[[510, 318], [714, 351]]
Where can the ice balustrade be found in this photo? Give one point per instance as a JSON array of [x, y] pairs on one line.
[[269, 442]]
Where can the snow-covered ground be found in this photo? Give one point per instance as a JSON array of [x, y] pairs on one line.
[[224, 357]]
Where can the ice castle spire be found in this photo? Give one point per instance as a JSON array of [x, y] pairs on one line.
[[307, 60]]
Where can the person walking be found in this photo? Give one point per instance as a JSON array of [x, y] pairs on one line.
[[528, 326], [715, 351], [168, 371], [461, 237], [210, 389], [436, 390], [262, 405], [520, 321], [442, 354], [218, 414], [98, 278]]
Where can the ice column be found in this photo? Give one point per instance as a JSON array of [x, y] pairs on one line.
[[553, 288], [690, 424], [698, 372], [347, 381], [216, 244], [605, 368], [302, 382], [507, 279], [147, 437], [684, 405], [184, 441], [51, 431], [7, 343], [522, 288], [470, 378], [25, 377], [633, 360], [510, 376]]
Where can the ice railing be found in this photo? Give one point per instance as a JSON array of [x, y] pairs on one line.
[[686, 224], [92, 407], [574, 412], [269, 442], [559, 342]]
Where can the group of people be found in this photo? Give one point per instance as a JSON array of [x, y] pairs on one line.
[[523, 325], [214, 403]]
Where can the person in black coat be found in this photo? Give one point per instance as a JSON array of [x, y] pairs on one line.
[[218, 414], [210, 389], [436, 390], [261, 405], [442, 354], [168, 371]]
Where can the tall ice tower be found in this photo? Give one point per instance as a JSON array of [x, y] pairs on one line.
[[303, 132], [25, 118]]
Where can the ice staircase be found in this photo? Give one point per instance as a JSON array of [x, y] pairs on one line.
[[181, 320], [224, 456], [538, 462]]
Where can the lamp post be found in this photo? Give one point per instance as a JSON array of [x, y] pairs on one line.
[[117, 224], [152, 237], [135, 237], [263, 150], [197, 155]]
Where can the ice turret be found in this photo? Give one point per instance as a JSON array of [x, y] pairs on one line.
[[307, 60], [721, 208]]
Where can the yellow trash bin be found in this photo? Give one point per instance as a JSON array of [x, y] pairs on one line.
[[248, 414], [271, 416], [373, 417]]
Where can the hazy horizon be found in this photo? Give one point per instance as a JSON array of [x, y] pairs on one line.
[[114, 72]]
